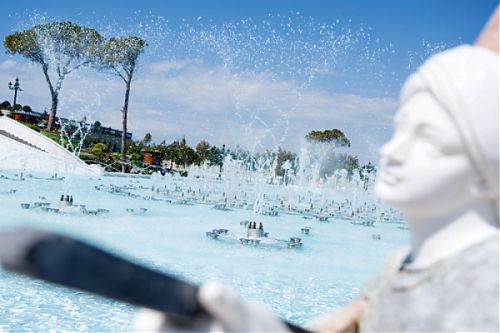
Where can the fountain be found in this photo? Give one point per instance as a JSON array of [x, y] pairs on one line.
[[171, 219], [159, 220], [254, 236]]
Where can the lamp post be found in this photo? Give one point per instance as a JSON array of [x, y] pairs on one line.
[[15, 87]]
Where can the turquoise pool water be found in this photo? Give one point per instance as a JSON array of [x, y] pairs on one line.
[[337, 256]]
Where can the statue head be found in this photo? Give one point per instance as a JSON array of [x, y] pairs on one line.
[[444, 154]]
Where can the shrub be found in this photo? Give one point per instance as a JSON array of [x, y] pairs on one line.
[[99, 149], [87, 156], [32, 126]]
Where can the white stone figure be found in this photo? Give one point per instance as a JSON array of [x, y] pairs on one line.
[[441, 169]]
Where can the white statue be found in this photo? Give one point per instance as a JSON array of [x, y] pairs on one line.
[[441, 169]]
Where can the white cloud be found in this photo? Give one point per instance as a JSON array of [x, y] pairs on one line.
[[217, 90], [152, 112], [346, 107], [8, 64], [172, 65], [188, 97]]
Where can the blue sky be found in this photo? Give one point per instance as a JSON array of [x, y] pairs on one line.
[[268, 72]]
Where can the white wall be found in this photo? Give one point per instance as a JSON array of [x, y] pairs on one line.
[[51, 148]]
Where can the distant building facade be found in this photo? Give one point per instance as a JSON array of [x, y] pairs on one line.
[[31, 117], [95, 133], [107, 135]]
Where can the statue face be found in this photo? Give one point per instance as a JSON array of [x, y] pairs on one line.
[[424, 169]]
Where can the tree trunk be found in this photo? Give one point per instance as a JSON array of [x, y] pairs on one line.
[[53, 111], [54, 93], [124, 124]]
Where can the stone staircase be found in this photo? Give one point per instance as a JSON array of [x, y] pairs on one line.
[[15, 138], [52, 151]]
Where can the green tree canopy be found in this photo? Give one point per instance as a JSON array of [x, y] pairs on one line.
[[119, 55], [5, 105], [180, 153], [63, 44], [99, 149], [135, 151], [58, 46], [333, 135], [337, 162], [147, 138], [285, 160], [216, 156], [187, 155], [202, 149]]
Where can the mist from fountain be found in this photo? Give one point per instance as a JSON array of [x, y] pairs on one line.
[[152, 218]]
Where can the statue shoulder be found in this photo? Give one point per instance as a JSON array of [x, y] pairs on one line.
[[390, 269]]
